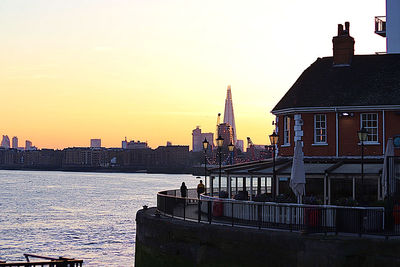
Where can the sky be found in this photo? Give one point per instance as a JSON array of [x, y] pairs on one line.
[[153, 70]]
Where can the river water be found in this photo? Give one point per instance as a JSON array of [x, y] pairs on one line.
[[89, 216]]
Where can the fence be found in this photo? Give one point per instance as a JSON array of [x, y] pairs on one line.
[[310, 218]]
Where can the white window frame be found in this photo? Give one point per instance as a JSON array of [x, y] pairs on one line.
[[373, 138], [286, 130], [317, 130]]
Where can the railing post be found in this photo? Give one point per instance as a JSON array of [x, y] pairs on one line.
[[209, 211], [184, 209], [173, 206], [335, 220], [360, 221], [232, 213], [199, 210], [165, 205], [259, 215], [290, 218]]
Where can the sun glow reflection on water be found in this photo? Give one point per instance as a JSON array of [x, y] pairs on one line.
[[90, 216]]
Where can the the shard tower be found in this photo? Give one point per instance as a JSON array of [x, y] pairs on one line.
[[229, 117]]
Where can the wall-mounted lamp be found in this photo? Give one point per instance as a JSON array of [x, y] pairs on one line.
[[346, 114]]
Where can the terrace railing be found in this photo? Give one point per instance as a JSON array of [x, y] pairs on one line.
[[290, 216]]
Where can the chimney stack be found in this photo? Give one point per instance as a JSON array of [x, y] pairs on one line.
[[343, 46]]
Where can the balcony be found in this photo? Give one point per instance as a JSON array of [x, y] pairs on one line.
[[380, 25]]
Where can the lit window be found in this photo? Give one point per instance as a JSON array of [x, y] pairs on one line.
[[319, 128], [286, 130], [369, 121]]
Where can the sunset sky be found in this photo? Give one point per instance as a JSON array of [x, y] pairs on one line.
[[153, 70]]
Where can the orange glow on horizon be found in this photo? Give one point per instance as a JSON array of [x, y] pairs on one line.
[[154, 70]]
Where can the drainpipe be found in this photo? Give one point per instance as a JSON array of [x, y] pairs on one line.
[[337, 133], [383, 132]]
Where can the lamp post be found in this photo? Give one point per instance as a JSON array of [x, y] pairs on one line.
[[273, 138], [220, 142], [205, 147], [362, 136], [231, 147]]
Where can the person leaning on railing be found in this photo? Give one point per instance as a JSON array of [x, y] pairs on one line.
[[183, 190], [200, 189]]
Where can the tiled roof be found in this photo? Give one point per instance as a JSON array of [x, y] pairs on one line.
[[369, 80]]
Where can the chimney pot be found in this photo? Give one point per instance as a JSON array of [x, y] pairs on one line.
[[347, 27], [340, 30]]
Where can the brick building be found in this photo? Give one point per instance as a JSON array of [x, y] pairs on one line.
[[337, 96], [324, 109]]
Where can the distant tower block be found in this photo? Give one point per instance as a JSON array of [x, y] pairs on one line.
[[95, 143], [229, 117], [15, 142]]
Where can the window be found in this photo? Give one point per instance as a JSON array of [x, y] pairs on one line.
[[370, 122], [320, 128], [286, 130]]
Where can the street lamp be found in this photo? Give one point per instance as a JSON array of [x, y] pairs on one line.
[[220, 142], [273, 138], [231, 147], [362, 136], [205, 147]]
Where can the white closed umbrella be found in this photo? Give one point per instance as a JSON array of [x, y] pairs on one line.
[[298, 175], [386, 173]]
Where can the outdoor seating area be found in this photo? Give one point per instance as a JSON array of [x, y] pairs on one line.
[[272, 215], [334, 199]]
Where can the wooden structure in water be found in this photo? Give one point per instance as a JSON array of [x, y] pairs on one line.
[[45, 262]]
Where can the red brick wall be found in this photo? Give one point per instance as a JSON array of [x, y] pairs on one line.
[[310, 149], [348, 138]]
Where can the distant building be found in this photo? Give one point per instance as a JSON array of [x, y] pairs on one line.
[[198, 138], [124, 144], [226, 131], [171, 158], [240, 145], [5, 142], [28, 145], [15, 142], [136, 145], [95, 143], [229, 117]]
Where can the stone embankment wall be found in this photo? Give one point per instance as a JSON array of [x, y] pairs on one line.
[[164, 241]]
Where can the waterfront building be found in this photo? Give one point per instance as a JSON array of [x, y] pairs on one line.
[[28, 145], [15, 142], [337, 96], [324, 109], [5, 142], [171, 158], [136, 145], [198, 138], [95, 143], [124, 144]]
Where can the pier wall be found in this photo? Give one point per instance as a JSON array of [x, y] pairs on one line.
[[164, 241]]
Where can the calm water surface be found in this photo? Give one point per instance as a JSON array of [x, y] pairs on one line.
[[90, 216]]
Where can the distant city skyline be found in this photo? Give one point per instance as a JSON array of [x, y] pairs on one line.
[[154, 70]]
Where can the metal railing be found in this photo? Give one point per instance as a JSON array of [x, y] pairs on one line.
[[289, 216], [380, 25]]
